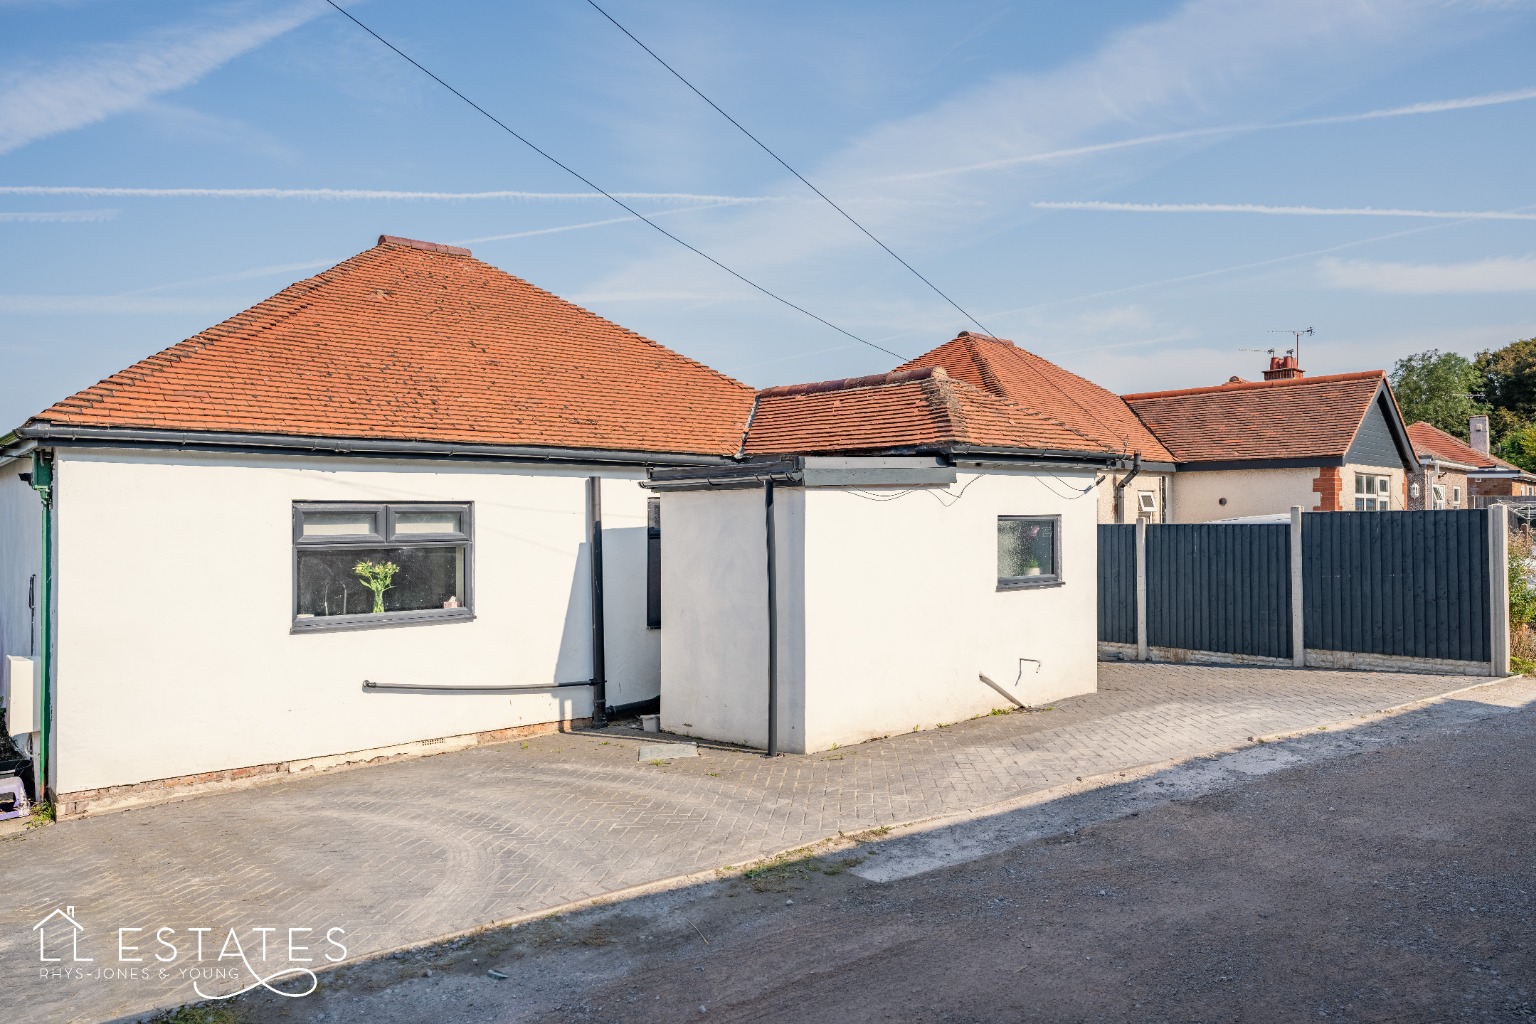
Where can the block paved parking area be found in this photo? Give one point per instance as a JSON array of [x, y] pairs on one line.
[[403, 853]]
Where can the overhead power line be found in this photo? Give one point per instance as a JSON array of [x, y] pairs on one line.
[[782, 163], [602, 192]]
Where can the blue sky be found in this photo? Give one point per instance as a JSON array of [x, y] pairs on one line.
[[1138, 190]]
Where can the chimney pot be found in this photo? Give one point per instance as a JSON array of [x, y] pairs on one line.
[[1283, 368]]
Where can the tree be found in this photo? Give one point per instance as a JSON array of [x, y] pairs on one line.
[[1509, 387], [1439, 388]]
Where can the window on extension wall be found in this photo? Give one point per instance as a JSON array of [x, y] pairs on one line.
[[653, 563], [359, 565], [1373, 493], [1028, 551]]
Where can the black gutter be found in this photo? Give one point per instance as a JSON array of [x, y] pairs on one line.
[[360, 447], [599, 649]]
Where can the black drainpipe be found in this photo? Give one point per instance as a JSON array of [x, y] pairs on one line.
[[599, 655], [773, 622], [1120, 487]]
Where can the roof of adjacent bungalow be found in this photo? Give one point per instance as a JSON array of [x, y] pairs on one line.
[[921, 408], [1300, 421], [1432, 443], [1000, 368], [416, 342]]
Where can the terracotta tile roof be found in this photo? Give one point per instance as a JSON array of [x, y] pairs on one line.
[[415, 341], [1001, 368], [1300, 418], [915, 407], [1429, 440]]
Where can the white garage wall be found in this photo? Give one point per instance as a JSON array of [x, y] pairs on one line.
[[902, 610], [175, 602], [888, 609], [714, 598]]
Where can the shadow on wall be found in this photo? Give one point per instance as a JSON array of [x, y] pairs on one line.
[[574, 663]]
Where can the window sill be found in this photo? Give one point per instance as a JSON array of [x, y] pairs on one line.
[[1029, 583], [383, 620]]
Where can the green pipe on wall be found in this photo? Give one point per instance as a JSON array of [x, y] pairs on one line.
[[42, 483]]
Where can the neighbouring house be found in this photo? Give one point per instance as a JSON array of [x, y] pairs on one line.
[[1455, 474], [1138, 485], [1440, 482], [1246, 448], [892, 552], [367, 516]]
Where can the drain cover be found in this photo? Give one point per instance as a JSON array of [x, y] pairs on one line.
[[665, 751]]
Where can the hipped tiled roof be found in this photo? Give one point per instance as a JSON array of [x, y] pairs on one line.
[[414, 341], [1429, 440], [1001, 368], [1300, 418], [908, 408]]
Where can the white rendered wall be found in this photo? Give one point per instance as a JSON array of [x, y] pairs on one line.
[[1249, 492], [888, 610], [21, 524], [902, 610], [174, 655], [714, 600]]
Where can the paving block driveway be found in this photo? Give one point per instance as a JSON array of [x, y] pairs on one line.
[[403, 853]]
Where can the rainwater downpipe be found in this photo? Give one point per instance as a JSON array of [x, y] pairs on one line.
[[1123, 484], [42, 483], [773, 621], [599, 652]]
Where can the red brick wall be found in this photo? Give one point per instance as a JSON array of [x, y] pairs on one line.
[[1330, 485]]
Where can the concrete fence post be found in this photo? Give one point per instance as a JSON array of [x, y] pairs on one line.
[[1143, 650], [1498, 590], [1298, 605]]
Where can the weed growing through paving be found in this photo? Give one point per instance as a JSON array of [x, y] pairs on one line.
[[42, 814]]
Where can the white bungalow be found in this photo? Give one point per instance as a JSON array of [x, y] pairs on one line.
[[354, 521]]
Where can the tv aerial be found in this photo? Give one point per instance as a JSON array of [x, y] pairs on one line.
[[1297, 334]]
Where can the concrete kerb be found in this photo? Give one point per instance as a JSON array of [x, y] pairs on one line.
[[835, 842]]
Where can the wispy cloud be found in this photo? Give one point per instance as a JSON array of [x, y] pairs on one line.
[[1205, 59], [55, 216], [114, 192], [114, 305], [1410, 110], [111, 79], [1477, 277], [1285, 211]]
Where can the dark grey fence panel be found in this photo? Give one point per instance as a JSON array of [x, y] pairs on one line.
[[1220, 587], [1410, 584], [1117, 584]]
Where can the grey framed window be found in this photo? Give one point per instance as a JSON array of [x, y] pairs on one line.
[[1028, 552], [653, 563], [365, 565]]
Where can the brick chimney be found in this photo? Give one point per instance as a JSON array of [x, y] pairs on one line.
[[1477, 428], [1283, 368]]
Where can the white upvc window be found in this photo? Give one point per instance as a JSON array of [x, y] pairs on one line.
[[1439, 496], [1373, 492], [1455, 497]]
